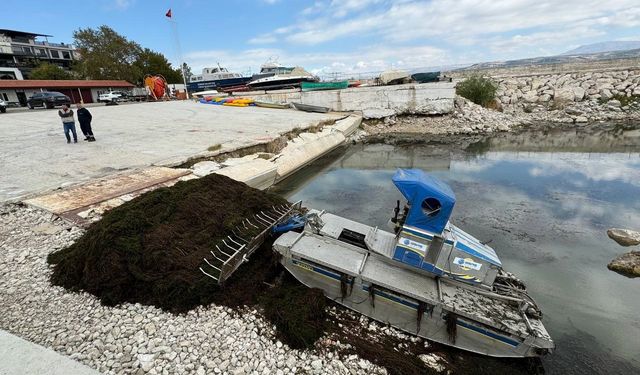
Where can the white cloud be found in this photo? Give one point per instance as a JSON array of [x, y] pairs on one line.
[[371, 58], [270, 1], [122, 4], [460, 21], [263, 39]]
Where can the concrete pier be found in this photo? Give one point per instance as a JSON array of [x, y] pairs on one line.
[[373, 101], [35, 156]]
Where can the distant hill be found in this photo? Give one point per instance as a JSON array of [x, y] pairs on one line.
[[558, 59], [604, 47]]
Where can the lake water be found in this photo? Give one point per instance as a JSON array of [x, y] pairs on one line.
[[545, 200]]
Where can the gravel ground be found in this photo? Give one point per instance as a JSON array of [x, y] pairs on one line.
[[134, 338]]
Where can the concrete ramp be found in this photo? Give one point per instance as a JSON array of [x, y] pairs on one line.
[[72, 203], [21, 357]]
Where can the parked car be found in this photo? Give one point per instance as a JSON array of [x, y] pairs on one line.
[[112, 96], [48, 99], [3, 106]]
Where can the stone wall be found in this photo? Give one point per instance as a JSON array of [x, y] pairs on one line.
[[569, 87], [375, 101]]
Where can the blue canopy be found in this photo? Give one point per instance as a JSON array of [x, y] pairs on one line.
[[431, 200]]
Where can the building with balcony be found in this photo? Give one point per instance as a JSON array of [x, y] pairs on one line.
[[25, 51]]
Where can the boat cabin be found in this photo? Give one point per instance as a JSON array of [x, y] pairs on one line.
[[427, 240], [214, 74]]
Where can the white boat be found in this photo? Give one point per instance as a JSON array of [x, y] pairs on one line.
[[214, 93], [393, 77], [215, 78], [274, 76]]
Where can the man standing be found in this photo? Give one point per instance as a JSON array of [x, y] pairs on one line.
[[84, 117], [68, 123]]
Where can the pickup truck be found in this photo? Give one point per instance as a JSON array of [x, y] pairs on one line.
[[112, 96]]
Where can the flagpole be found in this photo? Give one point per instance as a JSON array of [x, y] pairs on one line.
[[174, 28]]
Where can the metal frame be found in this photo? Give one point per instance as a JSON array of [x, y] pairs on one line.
[[236, 249]]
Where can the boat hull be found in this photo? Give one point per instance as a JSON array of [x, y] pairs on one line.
[[352, 263], [275, 83], [386, 308], [217, 84], [316, 86], [310, 108]]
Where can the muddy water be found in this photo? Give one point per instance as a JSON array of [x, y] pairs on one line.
[[544, 200]]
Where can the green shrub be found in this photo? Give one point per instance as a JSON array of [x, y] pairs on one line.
[[480, 90], [623, 99]]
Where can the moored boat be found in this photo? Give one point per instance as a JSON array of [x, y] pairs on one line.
[[315, 86], [428, 278]]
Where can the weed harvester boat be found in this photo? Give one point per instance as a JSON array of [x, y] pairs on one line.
[[429, 278]]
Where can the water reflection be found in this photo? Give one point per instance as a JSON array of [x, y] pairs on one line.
[[545, 201]]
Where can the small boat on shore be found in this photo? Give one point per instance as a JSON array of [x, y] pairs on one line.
[[310, 108], [393, 77], [272, 105], [315, 86], [426, 77]]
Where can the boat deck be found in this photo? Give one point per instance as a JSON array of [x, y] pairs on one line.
[[400, 280], [378, 267], [329, 254]]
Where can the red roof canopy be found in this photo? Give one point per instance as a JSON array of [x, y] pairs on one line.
[[67, 84]]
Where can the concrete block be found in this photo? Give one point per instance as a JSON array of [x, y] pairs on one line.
[[348, 125], [248, 93], [257, 173], [283, 91], [294, 158]]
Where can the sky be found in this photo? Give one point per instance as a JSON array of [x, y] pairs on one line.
[[338, 36]]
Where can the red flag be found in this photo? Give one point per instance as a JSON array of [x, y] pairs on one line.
[[168, 13]]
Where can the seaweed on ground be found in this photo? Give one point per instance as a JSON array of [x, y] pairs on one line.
[[149, 249], [298, 313]]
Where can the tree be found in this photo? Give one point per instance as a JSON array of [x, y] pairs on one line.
[[106, 54], [49, 71], [151, 62], [187, 71]]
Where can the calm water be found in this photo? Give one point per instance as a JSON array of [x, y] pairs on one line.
[[545, 201]]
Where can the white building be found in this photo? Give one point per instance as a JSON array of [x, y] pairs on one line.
[[24, 51]]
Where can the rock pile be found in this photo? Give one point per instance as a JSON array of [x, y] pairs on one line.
[[626, 264], [565, 88], [466, 118]]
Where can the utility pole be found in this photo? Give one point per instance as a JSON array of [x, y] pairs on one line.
[[174, 28]]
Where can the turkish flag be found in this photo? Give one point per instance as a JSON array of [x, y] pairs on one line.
[[168, 13]]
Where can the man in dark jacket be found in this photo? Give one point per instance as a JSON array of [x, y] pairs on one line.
[[84, 117]]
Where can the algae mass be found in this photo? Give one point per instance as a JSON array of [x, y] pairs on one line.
[[149, 249]]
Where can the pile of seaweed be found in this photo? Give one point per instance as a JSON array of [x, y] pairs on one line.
[[149, 249]]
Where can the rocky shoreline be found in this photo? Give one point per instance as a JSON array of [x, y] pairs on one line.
[[567, 99], [471, 119]]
